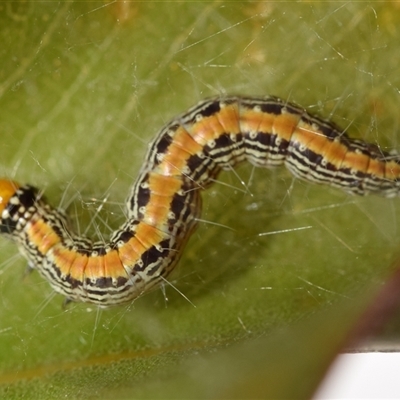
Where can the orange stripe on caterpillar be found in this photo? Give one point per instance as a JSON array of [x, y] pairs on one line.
[[7, 190], [164, 202]]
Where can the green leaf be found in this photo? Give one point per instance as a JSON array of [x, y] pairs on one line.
[[278, 270]]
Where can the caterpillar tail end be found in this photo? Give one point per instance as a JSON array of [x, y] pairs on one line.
[[7, 190]]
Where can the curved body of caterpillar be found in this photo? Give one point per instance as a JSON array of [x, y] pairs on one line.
[[164, 202]]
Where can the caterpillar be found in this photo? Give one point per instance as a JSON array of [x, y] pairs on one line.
[[164, 203]]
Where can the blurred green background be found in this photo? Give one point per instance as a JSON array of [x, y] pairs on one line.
[[277, 270]]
